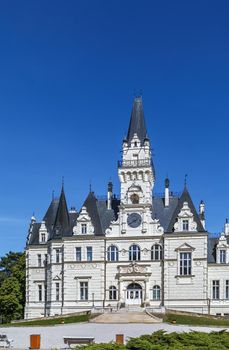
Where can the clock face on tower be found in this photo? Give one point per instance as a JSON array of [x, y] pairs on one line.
[[134, 220]]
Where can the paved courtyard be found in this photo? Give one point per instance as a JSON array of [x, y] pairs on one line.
[[52, 337]]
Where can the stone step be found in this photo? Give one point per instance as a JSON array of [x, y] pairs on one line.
[[127, 317]]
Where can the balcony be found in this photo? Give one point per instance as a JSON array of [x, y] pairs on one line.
[[135, 163]]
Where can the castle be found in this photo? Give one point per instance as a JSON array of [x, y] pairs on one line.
[[139, 249]]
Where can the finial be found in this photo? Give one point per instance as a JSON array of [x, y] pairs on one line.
[[185, 180], [62, 181], [53, 192], [226, 220], [90, 186]]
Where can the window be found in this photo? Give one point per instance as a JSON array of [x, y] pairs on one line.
[[185, 264], [112, 253], [43, 237], [46, 260], [112, 293], [83, 290], [134, 198], [84, 229], [39, 292], [227, 289], [156, 293], [134, 253], [156, 252], [57, 291], [39, 260], [45, 292], [78, 254], [222, 256], [185, 225], [89, 254], [215, 290], [58, 255]]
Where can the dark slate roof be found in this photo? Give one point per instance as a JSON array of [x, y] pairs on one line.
[[212, 242], [34, 237], [185, 197], [61, 226], [164, 214], [106, 216], [91, 203], [137, 122], [50, 215]]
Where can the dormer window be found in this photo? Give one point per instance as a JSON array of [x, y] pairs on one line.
[[135, 144], [84, 229], [43, 238], [185, 225], [222, 256]]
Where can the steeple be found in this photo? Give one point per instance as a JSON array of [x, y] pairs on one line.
[[137, 122], [61, 223]]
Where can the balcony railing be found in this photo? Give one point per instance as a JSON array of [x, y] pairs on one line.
[[135, 163]]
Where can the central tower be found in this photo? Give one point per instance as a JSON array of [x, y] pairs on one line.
[[136, 170]]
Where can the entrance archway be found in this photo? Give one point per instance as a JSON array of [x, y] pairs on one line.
[[134, 294]]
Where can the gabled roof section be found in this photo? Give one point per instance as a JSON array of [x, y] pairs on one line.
[[91, 203], [185, 197], [61, 225], [137, 122], [50, 215]]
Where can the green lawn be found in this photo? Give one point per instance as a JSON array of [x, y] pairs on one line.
[[50, 322], [195, 320]]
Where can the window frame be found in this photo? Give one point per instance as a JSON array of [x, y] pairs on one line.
[[57, 286], [134, 251], [156, 252], [84, 290], [185, 263], [89, 250], [222, 253], [78, 250], [227, 289], [113, 293], [39, 260], [112, 253], [215, 289], [185, 225], [156, 292], [83, 229], [40, 292]]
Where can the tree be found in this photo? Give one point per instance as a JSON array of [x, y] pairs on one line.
[[10, 308]]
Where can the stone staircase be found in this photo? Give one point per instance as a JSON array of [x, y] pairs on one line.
[[131, 314]]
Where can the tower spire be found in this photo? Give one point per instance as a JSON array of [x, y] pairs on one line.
[[137, 122]]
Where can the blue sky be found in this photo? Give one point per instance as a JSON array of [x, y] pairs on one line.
[[68, 74]]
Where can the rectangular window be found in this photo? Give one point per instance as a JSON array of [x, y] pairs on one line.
[[89, 254], [39, 292], [83, 290], [46, 260], [45, 292], [43, 237], [83, 229], [185, 225], [78, 254], [185, 264], [39, 260], [58, 251], [57, 291], [222, 256], [215, 290], [227, 289]]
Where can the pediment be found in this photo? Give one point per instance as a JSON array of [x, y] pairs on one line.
[[185, 247], [57, 278]]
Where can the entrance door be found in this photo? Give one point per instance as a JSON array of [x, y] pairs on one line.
[[134, 294]]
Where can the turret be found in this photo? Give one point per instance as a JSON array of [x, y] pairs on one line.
[[109, 195], [166, 192], [226, 228], [202, 213]]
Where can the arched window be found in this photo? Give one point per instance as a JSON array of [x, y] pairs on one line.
[[112, 293], [156, 293], [156, 252], [112, 253], [134, 253]]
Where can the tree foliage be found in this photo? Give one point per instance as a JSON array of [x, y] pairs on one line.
[[161, 340], [12, 286]]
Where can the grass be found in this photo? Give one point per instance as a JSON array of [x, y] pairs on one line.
[[50, 322], [195, 320]]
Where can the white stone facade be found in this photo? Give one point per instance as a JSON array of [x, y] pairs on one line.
[[139, 250]]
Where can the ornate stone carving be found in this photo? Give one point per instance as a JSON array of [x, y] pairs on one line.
[[83, 218], [185, 214]]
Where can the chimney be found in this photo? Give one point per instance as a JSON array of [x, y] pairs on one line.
[[166, 192], [202, 213], [226, 228], [109, 195]]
